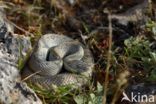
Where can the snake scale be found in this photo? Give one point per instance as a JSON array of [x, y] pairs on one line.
[[59, 60]]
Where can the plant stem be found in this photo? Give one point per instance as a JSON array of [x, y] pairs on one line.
[[108, 60]]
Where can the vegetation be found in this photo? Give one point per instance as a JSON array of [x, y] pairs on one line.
[[122, 53]]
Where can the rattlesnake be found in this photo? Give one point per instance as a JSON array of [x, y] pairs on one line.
[[59, 60]]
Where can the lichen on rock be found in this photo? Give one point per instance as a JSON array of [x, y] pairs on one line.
[[13, 47]]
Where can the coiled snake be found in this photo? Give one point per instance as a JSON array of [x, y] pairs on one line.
[[59, 60]]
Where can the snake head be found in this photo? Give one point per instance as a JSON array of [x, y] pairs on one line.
[[52, 55]]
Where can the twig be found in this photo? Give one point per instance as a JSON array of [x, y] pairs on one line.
[[121, 83], [18, 27], [31, 75], [108, 60]]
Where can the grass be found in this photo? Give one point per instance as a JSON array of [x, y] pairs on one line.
[[57, 95], [112, 63], [66, 94], [108, 61]]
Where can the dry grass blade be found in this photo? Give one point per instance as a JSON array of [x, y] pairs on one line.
[[21, 29], [30, 76], [108, 60]]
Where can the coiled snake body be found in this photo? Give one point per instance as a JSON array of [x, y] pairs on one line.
[[59, 60]]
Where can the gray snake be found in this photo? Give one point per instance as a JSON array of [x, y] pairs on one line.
[[59, 60]]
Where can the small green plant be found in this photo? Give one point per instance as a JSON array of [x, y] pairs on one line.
[[67, 94], [86, 28], [151, 26], [94, 97], [56, 95], [150, 66], [139, 48]]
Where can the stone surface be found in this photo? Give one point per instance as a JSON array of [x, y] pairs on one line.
[[12, 89], [136, 93], [17, 45], [5, 28], [71, 2], [134, 14]]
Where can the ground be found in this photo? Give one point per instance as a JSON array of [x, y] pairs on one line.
[[120, 33]]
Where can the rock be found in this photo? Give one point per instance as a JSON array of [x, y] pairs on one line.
[[12, 90], [141, 94], [13, 47], [71, 2], [13, 43], [134, 14], [17, 45], [5, 28]]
